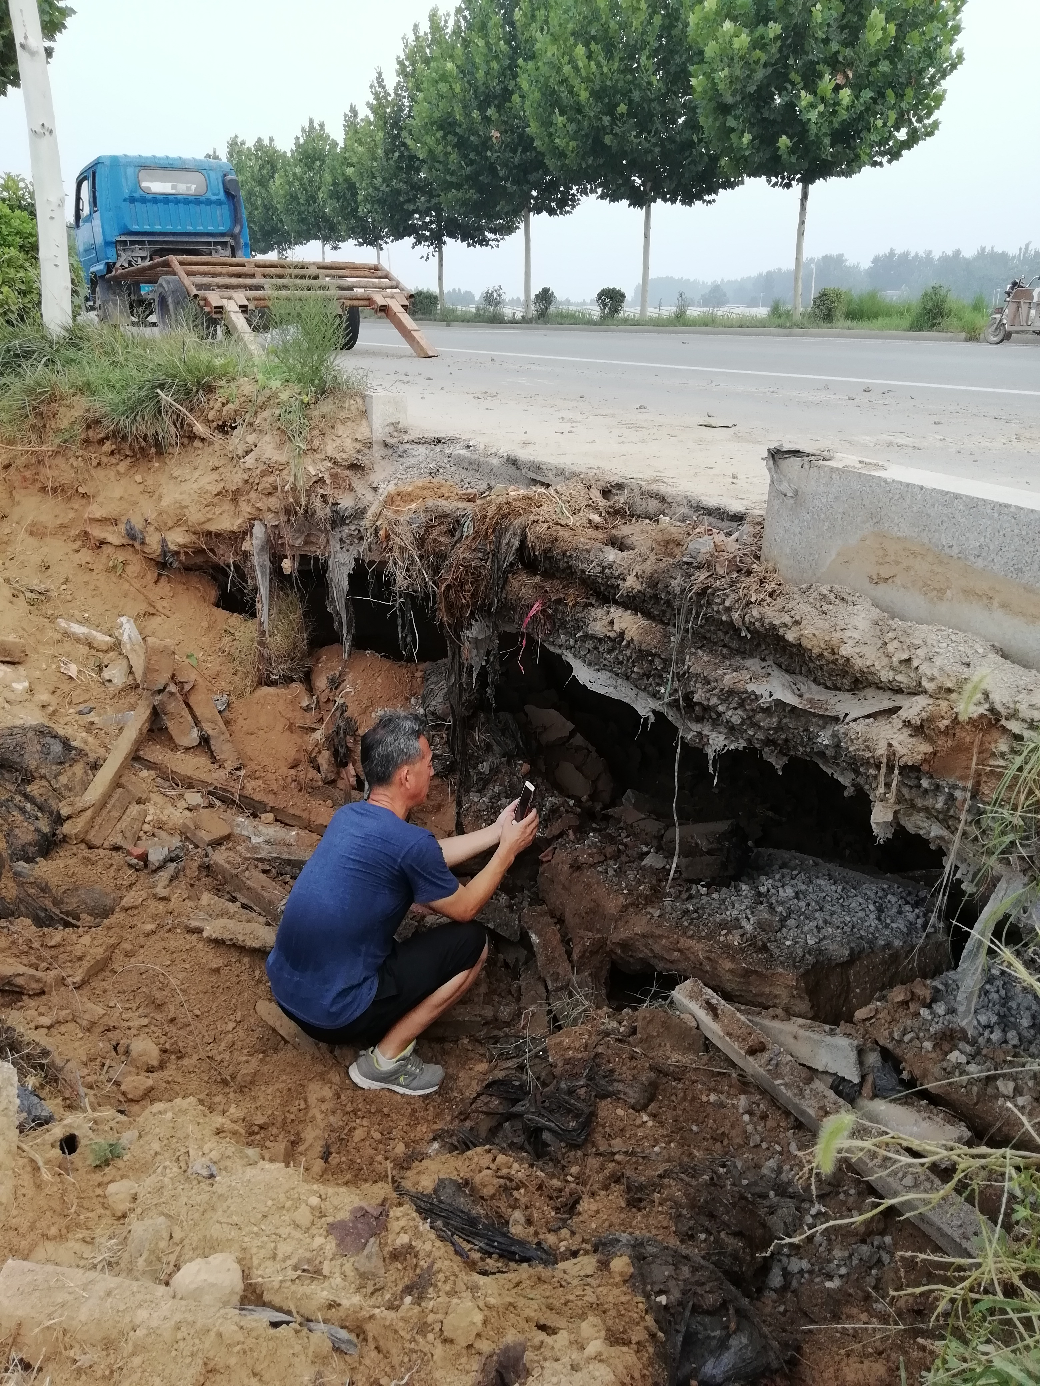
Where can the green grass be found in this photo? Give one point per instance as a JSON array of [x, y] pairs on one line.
[[145, 386], [102, 1153], [935, 311]]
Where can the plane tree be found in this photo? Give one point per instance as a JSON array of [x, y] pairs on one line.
[[796, 91], [471, 130], [610, 103]]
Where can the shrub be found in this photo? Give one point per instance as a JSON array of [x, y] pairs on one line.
[[491, 301], [611, 302], [425, 303], [682, 306], [19, 250], [830, 305], [933, 311], [543, 302], [869, 307], [308, 332]]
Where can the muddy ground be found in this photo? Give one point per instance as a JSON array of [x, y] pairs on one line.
[[137, 1030]]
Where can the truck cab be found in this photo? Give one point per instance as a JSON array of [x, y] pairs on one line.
[[130, 209]]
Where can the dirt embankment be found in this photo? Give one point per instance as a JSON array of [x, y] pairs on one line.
[[141, 1031]]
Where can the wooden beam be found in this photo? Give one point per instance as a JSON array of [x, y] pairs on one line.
[[316, 821], [954, 1226], [199, 697], [233, 317], [86, 808], [408, 330], [251, 887]]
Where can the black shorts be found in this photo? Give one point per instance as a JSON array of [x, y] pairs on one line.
[[414, 970]]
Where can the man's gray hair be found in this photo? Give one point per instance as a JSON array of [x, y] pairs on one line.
[[392, 742]]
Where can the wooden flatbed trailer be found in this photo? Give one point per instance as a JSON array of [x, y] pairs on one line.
[[231, 291]]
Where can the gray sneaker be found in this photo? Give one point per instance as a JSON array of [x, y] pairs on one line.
[[408, 1075]]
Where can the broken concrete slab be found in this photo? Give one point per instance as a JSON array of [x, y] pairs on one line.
[[820, 1047], [159, 657], [315, 819], [924, 546], [708, 851], [285, 849], [131, 644], [386, 410], [958, 1229]]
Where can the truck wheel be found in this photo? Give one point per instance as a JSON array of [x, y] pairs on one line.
[[351, 328], [996, 331], [173, 307], [112, 302]]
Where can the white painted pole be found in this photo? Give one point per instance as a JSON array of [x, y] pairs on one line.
[[644, 288], [55, 284]]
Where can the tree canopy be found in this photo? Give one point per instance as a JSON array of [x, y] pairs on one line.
[[53, 19], [795, 91], [301, 189], [258, 166]]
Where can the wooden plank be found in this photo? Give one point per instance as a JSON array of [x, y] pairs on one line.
[[200, 699], [118, 803], [126, 832], [316, 821], [170, 706], [251, 887], [233, 317], [954, 1226], [106, 779], [408, 330]]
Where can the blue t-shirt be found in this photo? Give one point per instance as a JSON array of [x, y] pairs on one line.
[[340, 919]]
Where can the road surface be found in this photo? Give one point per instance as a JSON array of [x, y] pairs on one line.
[[698, 411]]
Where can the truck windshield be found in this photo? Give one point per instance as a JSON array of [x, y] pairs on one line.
[[172, 182]]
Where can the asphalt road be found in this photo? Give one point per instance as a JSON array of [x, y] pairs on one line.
[[699, 410]]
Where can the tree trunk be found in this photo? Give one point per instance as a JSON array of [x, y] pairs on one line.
[[55, 283], [323, 252], [527, 262], [799, 248], [440, 277], [379, 259], [644, 291]]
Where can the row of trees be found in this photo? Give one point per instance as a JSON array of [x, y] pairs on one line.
[[510, 108]]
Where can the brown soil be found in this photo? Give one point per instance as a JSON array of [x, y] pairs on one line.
[[295, 1145]]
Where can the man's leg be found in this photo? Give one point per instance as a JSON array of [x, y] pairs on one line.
[[411, 1026]]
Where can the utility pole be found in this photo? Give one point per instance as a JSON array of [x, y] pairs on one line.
[[55, 283]]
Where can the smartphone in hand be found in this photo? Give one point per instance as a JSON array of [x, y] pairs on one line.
[[523, 807]]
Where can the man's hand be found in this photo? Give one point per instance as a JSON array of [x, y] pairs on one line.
[[516, 836], [506, 816]]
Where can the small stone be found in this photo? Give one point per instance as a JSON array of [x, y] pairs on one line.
[[121, 1196], [193, 799], [146, 1247], [621, 1268], [267, 818], [591, 1328], [865, 1013], [116, 672], [210, 1280], [595, 1349], [369, 1264], [136, 1086], [1006, 1087], [144, 1054], [158, 856], [303, 1217], [462, 1323]]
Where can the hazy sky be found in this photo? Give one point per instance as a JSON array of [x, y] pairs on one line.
[[146, 78]]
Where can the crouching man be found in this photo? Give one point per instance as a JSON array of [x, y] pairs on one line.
[[335, 968]]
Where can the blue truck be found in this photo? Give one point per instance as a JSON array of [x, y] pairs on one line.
[[131, 211], [163, 236]]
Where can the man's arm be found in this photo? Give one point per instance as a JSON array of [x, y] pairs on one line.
[[467, 845], [470, 899]]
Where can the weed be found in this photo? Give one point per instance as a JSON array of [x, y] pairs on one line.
[[830, 305], [934, 310], [102, 1153], [307, 334], [544, 300]]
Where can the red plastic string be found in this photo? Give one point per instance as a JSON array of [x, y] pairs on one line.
[[523, 631]]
